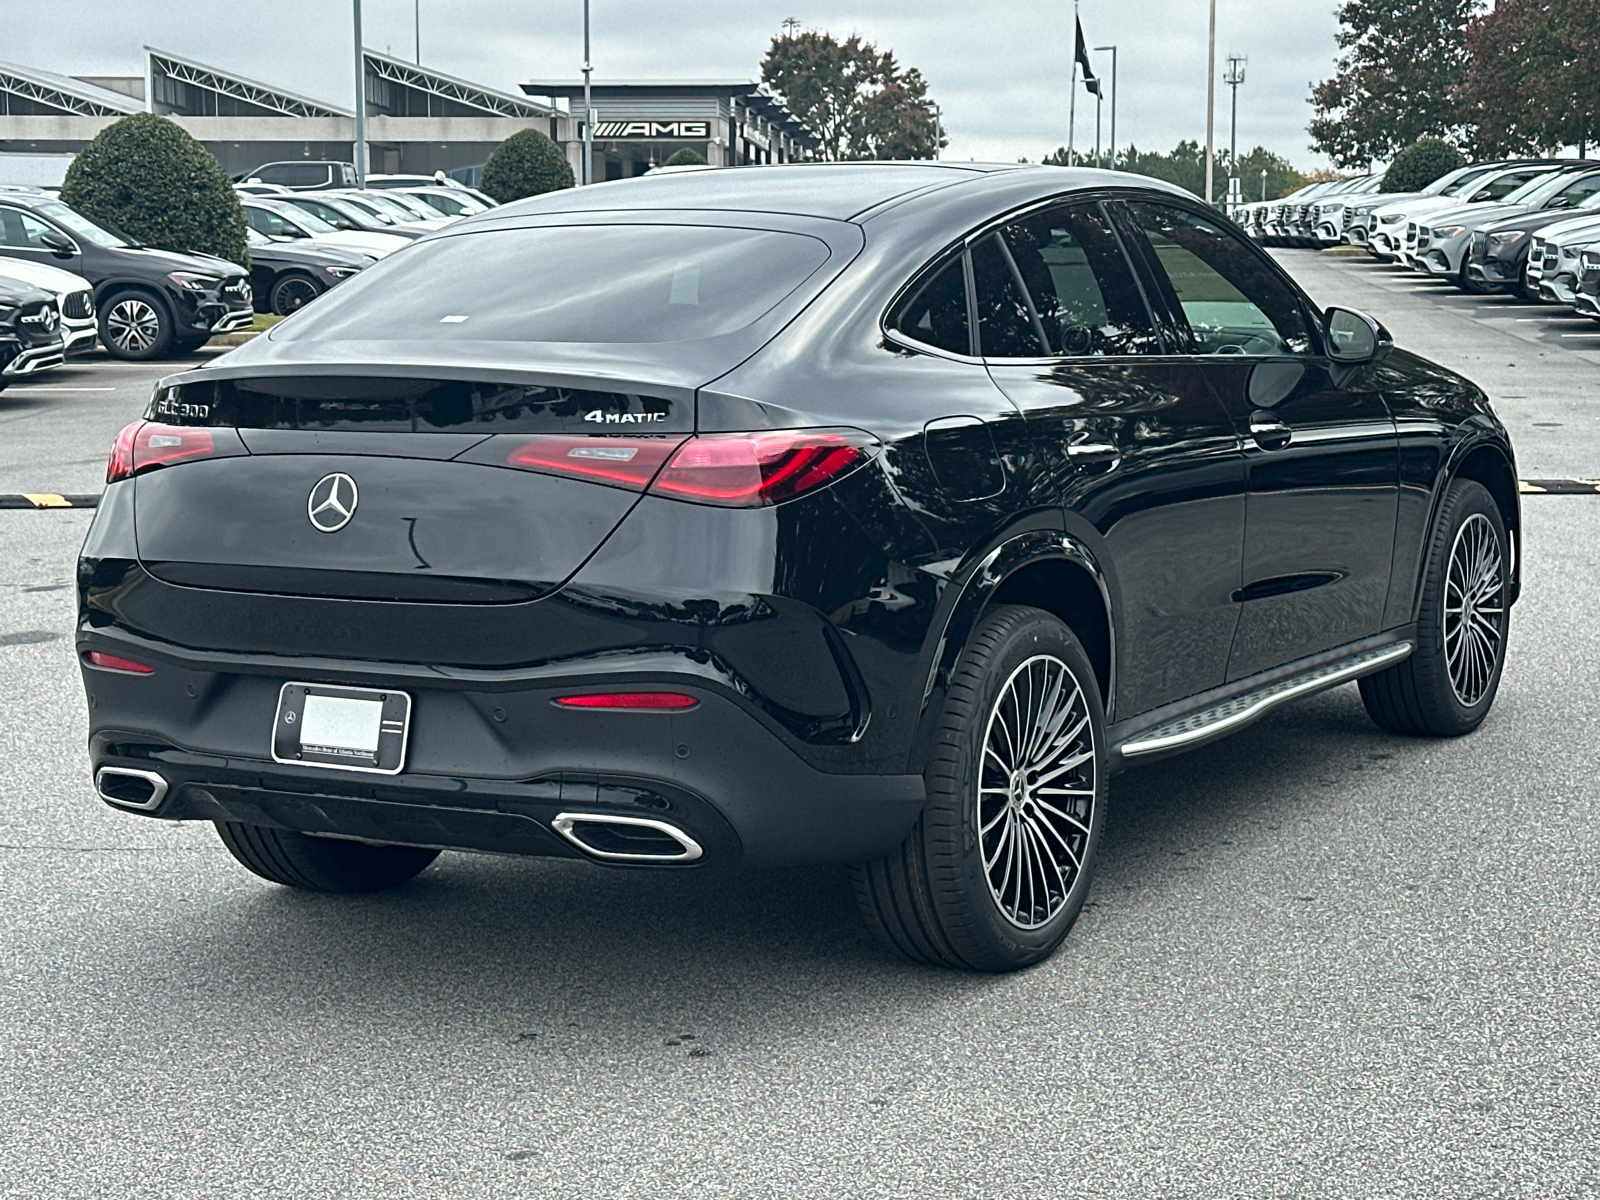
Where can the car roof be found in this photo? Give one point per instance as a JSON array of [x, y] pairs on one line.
[[836, 191]]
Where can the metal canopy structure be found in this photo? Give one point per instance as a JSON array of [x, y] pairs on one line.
[[395, 87], [25, 91], [180, 86]]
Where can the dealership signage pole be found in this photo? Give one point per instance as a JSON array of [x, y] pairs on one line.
[[361, 105], [588, 107], [1211, 101], [1113, 49]]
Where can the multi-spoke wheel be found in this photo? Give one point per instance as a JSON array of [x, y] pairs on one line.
[[1036, 791], [1448, 685], [293, 292], [995, 871], [135, 325]]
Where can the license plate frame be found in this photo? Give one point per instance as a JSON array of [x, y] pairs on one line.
[[393, 738]]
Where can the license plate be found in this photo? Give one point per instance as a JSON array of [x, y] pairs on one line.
[[350, 729]]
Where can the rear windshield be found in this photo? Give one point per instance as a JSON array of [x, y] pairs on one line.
[[594, 283]]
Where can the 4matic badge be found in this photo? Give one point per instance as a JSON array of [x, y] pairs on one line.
[[601, 417]]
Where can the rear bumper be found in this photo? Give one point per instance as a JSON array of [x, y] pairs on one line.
[[492, 761]]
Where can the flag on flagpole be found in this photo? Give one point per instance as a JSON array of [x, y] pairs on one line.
[[1090, 81]]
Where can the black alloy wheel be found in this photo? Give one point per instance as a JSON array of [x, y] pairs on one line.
[[319, 864], [996, 870], [135, 326], [292, 292], [1448, 685]]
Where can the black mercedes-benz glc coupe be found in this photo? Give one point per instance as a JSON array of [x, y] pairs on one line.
[[869, 514]]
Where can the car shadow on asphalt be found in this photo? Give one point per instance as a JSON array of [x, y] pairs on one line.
[[578, 944]]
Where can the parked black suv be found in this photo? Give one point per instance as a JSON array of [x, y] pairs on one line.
[[286, 276], [303, 175], [151, 302], [30, 330]]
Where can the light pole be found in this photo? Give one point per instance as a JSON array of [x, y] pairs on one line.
[[1113, 50], [589, 120], [1211, 100], [416, 25], [1233, 78], [1263, 185], [361, 105], [938, 129]]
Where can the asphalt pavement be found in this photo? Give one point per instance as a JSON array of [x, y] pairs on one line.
[[1318, 960]]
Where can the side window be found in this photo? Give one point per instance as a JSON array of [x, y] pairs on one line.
[[1233, 301], [1581, 191], [1006, 325], [277, 175], [1504, 186], [22, 230], [936, 313], [1082, 287], [307, 175]]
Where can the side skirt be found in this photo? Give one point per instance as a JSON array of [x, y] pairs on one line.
[[1223, 710]]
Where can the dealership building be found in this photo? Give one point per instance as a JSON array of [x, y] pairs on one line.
[[418, 120]]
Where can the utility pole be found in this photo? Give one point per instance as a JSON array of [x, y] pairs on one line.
[[791, 26], [1211, 101], [1113, 49], [938, 129], [361, 105], [589, 117], [1233, 78]]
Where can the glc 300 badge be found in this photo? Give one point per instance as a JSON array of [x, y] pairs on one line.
[[332, 502]]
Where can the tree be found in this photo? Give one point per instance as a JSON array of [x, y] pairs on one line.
[[1415, 167], [526, 164], [685, 158], [1397, 77], [856, 99], [1534, 79], [1186, 167], [147, 177]]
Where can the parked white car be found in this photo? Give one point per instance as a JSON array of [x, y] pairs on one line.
[[1394, 229], [74, 294], [285, 222], [450, 202], [1555, 259]]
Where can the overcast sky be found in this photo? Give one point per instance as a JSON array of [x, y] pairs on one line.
[[998, 68]]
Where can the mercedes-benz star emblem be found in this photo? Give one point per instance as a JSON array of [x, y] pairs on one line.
[[332, 502]]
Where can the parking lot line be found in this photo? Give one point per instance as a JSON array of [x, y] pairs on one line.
[[42, 388]]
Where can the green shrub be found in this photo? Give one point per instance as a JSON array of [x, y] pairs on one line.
[[1415, 167], [526, 164], [150, 179], [685, 158]]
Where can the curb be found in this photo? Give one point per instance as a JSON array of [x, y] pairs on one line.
[[43, 500], [233, 339]]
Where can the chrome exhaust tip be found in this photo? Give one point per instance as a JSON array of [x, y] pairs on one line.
[[611, 838], [127, 788]]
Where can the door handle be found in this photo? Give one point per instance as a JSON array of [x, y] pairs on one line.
[[1269, 432], [1093, 453]]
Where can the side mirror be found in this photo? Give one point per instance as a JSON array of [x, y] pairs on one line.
[[1353, 340], [386, 218], [1559, 202], [60, 245], [292, 231]]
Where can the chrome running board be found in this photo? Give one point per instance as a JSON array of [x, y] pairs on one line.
[[1240, 710]]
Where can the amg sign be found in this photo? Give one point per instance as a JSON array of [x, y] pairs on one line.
[[631, 130]]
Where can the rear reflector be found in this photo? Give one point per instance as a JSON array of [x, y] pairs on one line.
[[630, 701], [752, 470], [110, 662], [145, 444]]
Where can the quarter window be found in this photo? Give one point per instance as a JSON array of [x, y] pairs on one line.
[[1234, 302], [1082, 287], [936, 313]]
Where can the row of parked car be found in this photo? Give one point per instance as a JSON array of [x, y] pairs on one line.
[[68, 282], [1524, 225]]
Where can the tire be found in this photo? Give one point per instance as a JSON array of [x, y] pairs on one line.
[[1448, 685], [318, 864], [135, 326], [292, 291], [946, 897]]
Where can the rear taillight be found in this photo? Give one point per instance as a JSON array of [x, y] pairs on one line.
[[751, 470], [630, 701], [621, 462], [110, 662], [738, 470], [145, 444]]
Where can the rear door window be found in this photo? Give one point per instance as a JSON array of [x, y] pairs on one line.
[[1085, 293], [576, 283], [1007, 325]]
